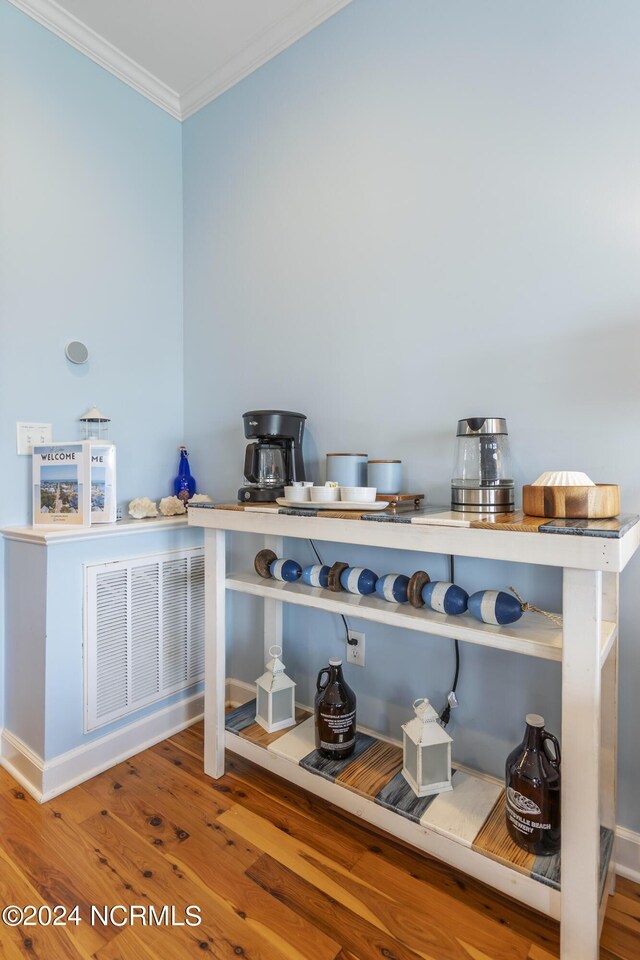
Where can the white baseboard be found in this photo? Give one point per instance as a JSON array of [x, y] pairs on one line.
[[45, 779], [22, 763], [627, 853], [238, 692]]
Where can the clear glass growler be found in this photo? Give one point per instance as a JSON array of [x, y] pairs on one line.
[[335, 713], [533, 790]]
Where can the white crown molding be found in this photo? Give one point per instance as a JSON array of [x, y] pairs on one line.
[[87, 41], [260, 49]]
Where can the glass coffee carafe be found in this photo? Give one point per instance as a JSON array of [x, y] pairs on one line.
[[270, 468]]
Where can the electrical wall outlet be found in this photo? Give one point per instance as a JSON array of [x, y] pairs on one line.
[[30, 433], [355, 650]]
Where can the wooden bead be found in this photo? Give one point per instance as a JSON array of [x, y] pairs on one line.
[[334, 576], [263, 561], [414, 589]]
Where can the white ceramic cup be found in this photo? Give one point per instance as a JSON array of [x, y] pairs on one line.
[[324, 494], [358, 494], [297, 494]]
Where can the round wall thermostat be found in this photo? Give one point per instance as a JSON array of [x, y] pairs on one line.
[[76, 351]]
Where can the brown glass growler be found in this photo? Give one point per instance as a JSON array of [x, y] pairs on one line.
[[335, 713], [533, 790]]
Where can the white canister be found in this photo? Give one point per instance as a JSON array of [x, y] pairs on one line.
[[347, 469], [385, 475]]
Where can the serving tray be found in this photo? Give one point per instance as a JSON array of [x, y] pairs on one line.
[[333, 505]]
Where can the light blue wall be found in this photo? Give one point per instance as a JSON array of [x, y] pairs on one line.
[[421, 211], [90, 249], [424, 211]]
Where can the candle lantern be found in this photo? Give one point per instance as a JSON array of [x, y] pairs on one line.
[[275, 695], [95, 425], [426, 752]]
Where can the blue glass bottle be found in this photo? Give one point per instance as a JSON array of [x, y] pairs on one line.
[[184, 485]]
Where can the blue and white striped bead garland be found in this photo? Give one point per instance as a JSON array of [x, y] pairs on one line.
[[287, 570], [393, 587], [316, 575], [445, 597], [495, 606], [358, 580]]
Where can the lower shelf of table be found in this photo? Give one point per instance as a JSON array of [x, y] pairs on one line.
[[464, 827]]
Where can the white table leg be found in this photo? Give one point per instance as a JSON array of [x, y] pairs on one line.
[[609, 727], [273, 608], [215, 651], [582, 606]]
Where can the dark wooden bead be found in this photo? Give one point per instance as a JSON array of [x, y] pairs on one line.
[[263, 561], [414, 589]]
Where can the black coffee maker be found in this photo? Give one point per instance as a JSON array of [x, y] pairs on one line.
[[274, 460]]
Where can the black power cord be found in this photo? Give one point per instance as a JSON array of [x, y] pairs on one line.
[[452, 701], [445, 715], [320, 561]]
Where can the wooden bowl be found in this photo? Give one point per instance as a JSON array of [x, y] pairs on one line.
[[572, 503]]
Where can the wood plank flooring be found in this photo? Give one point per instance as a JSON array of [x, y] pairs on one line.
[[277, 873]]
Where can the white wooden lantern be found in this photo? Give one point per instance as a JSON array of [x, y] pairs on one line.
[[95, 425], [426, 752], [275, 695]]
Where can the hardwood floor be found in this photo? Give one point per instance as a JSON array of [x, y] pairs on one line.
[[277, 874]]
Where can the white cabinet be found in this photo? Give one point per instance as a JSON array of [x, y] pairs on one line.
[[49, 741], [464, 827]]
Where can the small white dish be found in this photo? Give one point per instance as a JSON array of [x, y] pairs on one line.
[[324, 494], [299, 494], [358, 494]]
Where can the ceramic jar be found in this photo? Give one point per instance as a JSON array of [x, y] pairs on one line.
[[347, 469], [385, 475]]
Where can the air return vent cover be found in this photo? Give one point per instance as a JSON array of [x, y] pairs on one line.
[[144, 632]]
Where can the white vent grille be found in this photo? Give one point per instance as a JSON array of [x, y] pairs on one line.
[[144, 632]]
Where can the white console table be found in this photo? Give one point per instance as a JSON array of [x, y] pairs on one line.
[[587, 647]]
